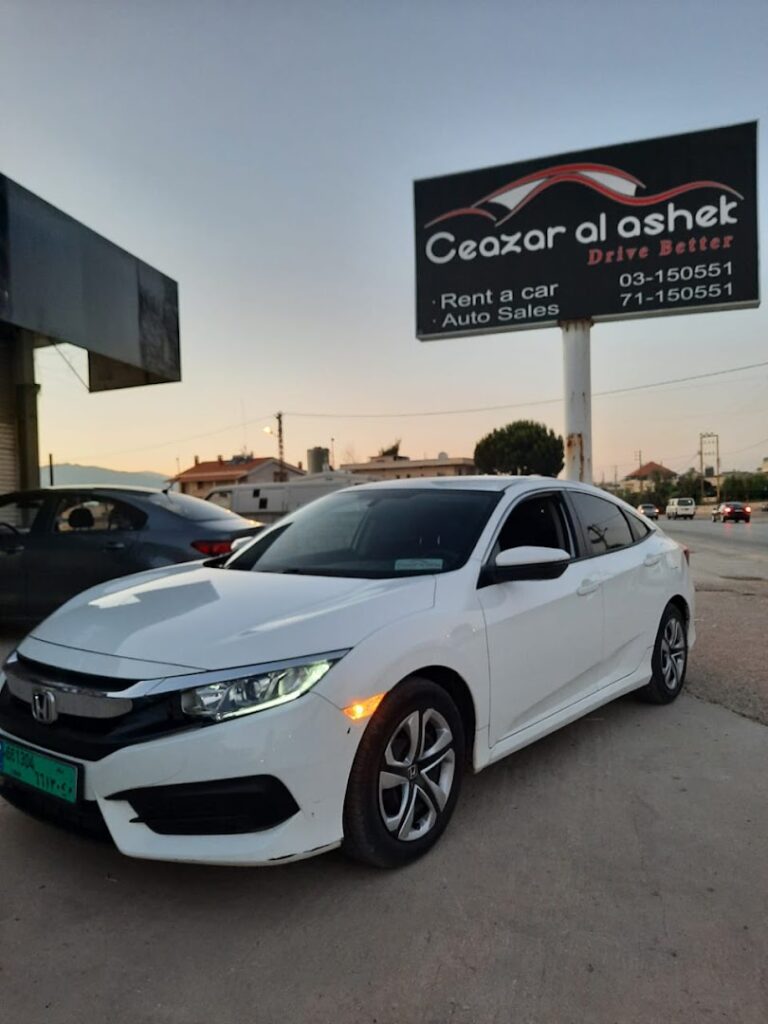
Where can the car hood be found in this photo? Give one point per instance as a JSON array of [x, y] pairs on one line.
[[196, 617]]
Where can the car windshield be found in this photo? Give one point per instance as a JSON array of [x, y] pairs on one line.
[[734, 504], [374, 534], [191, 508]]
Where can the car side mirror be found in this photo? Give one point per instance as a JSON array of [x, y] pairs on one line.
[[526, 563]]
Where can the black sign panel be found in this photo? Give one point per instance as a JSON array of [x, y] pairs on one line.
[[62, 282], [662, 226]]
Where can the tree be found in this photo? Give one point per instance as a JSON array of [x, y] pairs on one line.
[[393, 452], [521, 447]]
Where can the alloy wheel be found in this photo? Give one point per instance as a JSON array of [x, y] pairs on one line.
[[673, 653], [416, 775]]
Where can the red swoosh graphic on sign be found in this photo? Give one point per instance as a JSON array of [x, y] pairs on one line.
[[574, 173], [555, 172]]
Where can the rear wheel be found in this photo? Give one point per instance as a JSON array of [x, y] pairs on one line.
[[406, 776], [670, 659]]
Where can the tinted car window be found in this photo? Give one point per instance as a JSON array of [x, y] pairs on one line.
[[537, 521], [604, 523], [78, 513], [18, 514], [637, 528], [192, 508], [375, 534]]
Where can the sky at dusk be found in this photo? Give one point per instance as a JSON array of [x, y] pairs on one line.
[[263, 155]]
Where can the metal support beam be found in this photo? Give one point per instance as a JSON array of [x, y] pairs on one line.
[[26, 411], [577, 379]]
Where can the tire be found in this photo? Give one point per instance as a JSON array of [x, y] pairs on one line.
[[747, 519], [669, 661], [392, 809]]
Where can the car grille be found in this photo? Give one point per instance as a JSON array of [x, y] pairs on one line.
[[90, 725]]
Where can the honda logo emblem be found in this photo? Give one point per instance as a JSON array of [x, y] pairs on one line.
[[44, 706]]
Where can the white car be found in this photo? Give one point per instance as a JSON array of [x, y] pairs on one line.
[[332, 681]]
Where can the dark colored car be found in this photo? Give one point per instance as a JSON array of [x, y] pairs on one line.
[[57, 541], [649, 511], [733, 511]]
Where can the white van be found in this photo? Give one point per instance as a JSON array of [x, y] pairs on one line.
[[681, 508], [269, 502]]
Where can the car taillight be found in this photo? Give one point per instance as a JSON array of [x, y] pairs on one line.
[[212, 547], [687, 553], [748, 508], [728, 508]]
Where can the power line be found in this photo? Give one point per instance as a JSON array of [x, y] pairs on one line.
[[72, 368], [523, 405], [443, 412]]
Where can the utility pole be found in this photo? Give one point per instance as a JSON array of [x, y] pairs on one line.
[[639, 457], [712, 441], [577, 377], [280, 448]]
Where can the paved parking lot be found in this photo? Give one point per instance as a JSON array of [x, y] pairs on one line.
[[614, 873]]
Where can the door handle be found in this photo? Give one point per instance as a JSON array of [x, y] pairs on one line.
[[587, 586], [114, 545], [651, 560]]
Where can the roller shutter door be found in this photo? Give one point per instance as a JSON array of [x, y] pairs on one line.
[[9, 460]]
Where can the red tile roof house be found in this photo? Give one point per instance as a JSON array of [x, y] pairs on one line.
[[204, 477], [646, 476]]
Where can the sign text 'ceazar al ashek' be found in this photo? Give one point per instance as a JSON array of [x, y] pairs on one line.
[[663, 226]]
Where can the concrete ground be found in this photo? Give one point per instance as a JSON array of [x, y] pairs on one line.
[[613, 873]]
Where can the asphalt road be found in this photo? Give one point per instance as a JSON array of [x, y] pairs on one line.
[[614, 873], [730, 568]]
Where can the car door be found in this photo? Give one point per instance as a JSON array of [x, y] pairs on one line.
[[87, 539], [20, 516], [545, 637], [625, 556]]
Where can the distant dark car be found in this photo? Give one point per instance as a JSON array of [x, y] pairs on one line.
[[58, 541], [732, 511], [649, 511]]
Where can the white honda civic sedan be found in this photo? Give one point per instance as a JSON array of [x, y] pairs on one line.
[[331, 682]]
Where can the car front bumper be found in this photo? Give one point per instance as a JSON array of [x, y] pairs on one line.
[[303, 749]]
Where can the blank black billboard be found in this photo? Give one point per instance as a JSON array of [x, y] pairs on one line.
[[662, 226], [61, 281]]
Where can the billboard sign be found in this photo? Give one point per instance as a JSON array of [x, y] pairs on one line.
[[662, 226]]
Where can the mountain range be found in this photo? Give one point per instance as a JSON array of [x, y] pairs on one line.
[[68, 473]]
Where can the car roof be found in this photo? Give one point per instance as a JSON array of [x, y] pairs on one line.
[[94, 488], [485, 483]]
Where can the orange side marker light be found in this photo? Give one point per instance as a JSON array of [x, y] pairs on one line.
[[363, 708]]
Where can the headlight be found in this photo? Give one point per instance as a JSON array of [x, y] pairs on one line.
[[257, 691]]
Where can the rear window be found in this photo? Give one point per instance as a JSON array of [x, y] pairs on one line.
[[685, 501], [192, 508]]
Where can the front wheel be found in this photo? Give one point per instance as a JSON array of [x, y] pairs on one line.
[[406, 776], [670, 659]]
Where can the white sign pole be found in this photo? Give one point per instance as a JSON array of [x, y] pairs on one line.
[[577, 379]]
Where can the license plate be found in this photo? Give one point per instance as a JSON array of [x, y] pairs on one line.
[[48, 774]]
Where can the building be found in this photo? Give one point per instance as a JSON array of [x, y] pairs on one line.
[[61, 282], [203, 477], [763, 467], [400, 467], [647, 476]]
